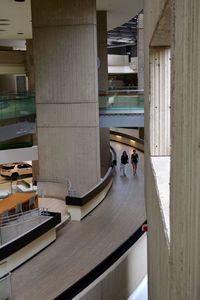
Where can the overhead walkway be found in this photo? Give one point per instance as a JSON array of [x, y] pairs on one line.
[[117, 108], [17, 120], [121, 108], [80, 246]]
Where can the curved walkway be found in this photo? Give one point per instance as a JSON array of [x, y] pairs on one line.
[[80, 246]]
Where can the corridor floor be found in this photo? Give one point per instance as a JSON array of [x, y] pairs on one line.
[[80, 246]]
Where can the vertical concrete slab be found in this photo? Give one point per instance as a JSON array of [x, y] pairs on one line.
[[65, 57], [185, 172], [140, 51], [158, 248], [29, 65], [103, 85]]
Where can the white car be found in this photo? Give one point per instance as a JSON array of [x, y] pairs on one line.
[[16, 169]]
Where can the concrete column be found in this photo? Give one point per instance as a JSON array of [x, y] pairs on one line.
[[102, 50], [65, 58], [103, 85], [160, 68], [140, 51], [140, 54], [105, 150], [185, 163], [30, 65], [141, 133]]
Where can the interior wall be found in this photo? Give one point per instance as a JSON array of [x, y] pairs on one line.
[[158, 254], [103, 86], [158, 244], [8, 83], [185, 166], [65, 60], [105, 150]]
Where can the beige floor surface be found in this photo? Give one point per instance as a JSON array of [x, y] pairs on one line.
[[80, 246]]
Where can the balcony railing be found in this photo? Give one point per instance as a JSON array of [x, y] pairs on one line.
[[18, 113], [14, 106], [121, 100], [18, 105]]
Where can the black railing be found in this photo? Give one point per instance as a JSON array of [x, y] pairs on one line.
[[80, 201], [90, 277], [17, 244]]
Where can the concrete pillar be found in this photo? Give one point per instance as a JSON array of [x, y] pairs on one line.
[[65, 58], [103, 85], [102, 50], [185, 159], [141, 133], [160, 72], [140, 51], [105, 150], [140, 54], [30, 65]]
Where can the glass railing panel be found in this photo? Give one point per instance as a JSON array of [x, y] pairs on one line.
[[121, 100], [14, 106], [18, 113], [17, 120]]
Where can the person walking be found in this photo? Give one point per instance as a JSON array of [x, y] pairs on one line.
[[134, 161], [124, 162]]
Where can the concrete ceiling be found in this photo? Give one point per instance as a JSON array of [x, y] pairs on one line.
[[15, 17], [119, 11]]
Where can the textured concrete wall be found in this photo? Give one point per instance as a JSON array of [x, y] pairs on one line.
[[102, 50], [158, 243], [153, 10], [103, 85], [185, 173], [105, 150], [65, 57], [30, 65], [160, 69], [140, 51], [158, 252]]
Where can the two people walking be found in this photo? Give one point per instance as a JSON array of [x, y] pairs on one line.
[[125, 160]]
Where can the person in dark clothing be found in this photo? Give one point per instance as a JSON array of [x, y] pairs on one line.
[[134, 161], [124, 162]]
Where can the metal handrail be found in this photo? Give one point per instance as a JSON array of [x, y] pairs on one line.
[[16, 218]]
